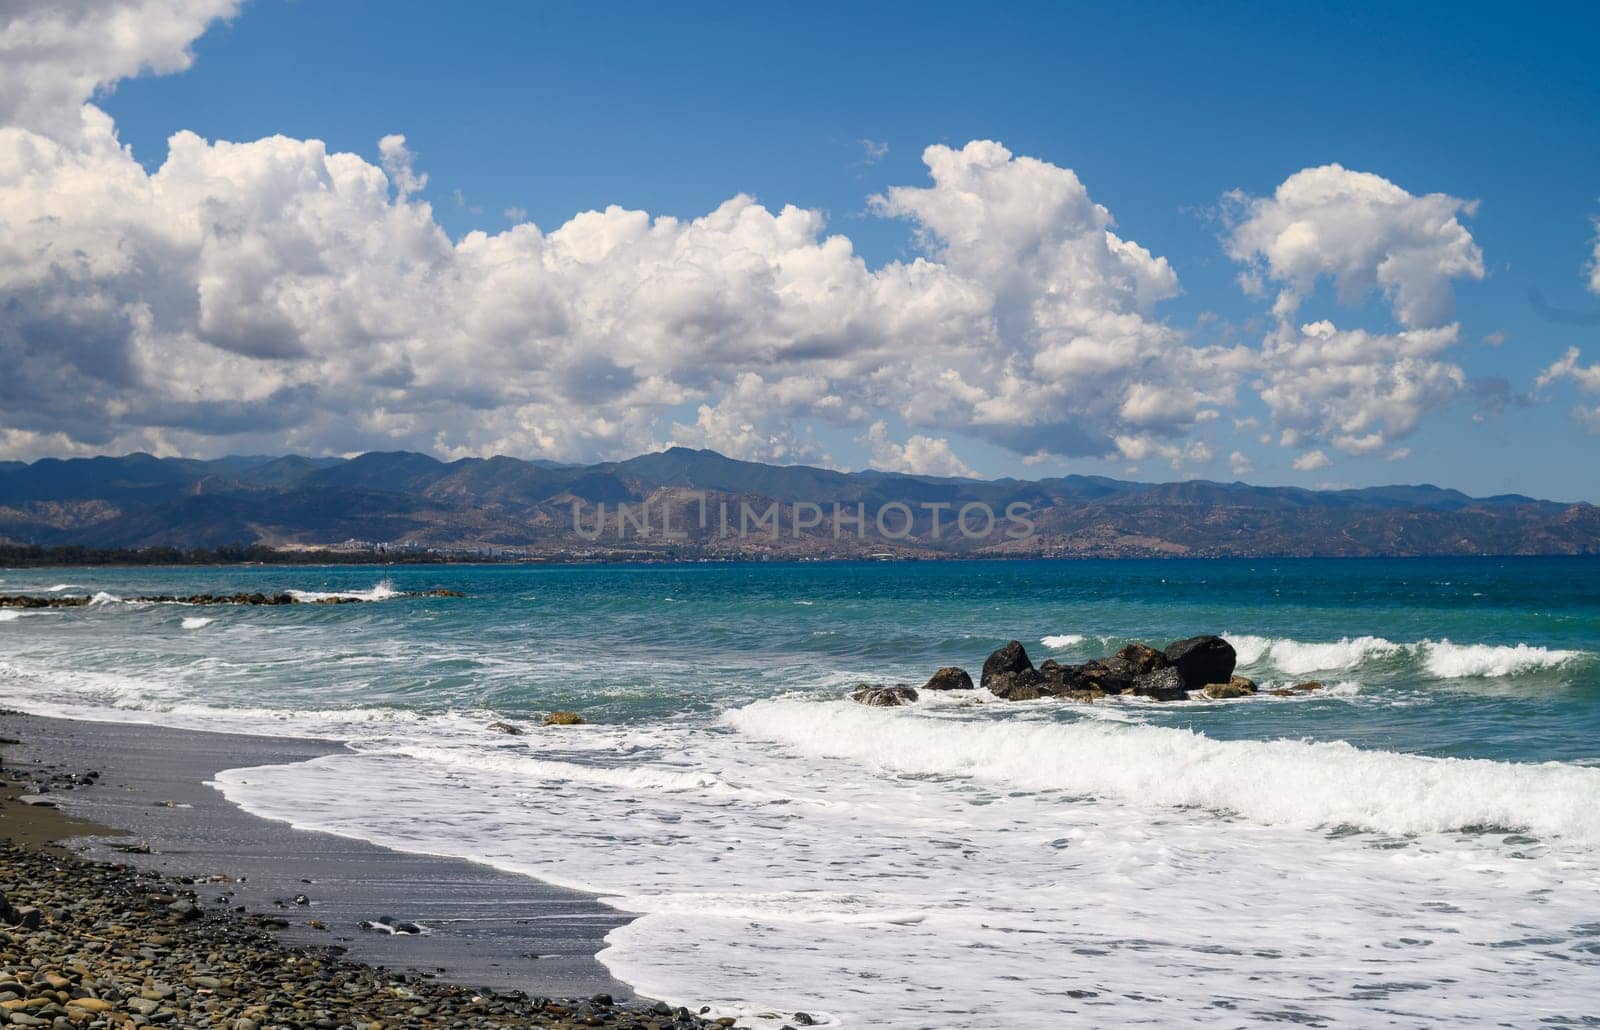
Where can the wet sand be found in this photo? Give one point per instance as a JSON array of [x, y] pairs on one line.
[[486, 928]]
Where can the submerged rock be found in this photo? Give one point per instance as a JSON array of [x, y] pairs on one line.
[[949, 678], [1202, 660], [1237, 686], [1309, 687], [563, 719], [880, 696], [1162, 685], [501, 726]]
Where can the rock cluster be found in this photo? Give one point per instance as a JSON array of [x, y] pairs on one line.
[[27, 601], [1193, 667], [98, 946]]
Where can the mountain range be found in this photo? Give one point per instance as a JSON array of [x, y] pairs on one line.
[[507, 507]]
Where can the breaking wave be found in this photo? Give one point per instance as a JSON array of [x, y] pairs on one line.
[[1063, 641], [1441, 659], [381, 592], [1290, 783], [1445, 660]]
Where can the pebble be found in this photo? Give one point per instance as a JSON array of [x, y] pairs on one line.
[[90, 945]]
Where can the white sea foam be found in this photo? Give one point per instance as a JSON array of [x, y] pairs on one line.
[[1063, 641], [197, 622], [1445, 660], [903, 862], [1283, 782], [103, 597], [9, 616], [59, 587], [381, 592]]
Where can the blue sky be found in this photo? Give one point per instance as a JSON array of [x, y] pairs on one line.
[[1160, 109]]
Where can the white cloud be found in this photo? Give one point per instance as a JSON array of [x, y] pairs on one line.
[[516, 214], [873, 151], [1353, 389], [56, 54], [1356, 390], [1594, 261], [1585, 377], [1240, 464], [1311, 461], [1363, 232], [397, 164], [271, 294], [919, 455]]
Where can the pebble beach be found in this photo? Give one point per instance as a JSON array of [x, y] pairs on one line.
[[86, 943]]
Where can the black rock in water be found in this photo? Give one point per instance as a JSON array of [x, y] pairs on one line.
[[1162, 685], [949, 678], [1062, 679], [1202, 660], [1012, 658], [1109, 675], [1024, 685], [1143, 658]]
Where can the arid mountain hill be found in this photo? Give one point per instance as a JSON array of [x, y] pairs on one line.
[[688, 503]]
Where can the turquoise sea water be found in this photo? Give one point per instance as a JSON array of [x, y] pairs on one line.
[[1205, 861]]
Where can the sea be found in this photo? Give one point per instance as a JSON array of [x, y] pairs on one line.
[[1416, 844]]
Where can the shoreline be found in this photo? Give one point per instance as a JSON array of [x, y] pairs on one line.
[[135, 797]]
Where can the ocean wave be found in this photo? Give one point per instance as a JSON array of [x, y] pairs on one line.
[[197, 622], [105, 598], [1291, 783], [380, 592], [1297, 657], [9, 616], [1445, 660], [59, 587], [1441, 659], [1065, 640]]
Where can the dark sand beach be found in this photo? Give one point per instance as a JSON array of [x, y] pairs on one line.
[[142, 839]]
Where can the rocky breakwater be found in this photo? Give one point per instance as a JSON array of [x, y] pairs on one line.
[[31, 601], [1193, 668]]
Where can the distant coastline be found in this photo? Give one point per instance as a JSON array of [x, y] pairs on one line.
[[683, 505], [29, 557]]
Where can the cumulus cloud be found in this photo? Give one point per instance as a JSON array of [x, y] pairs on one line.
[[919, 455], [273, 293], [1363, 232], [1354, 389], [1311, 461], [55, 54]]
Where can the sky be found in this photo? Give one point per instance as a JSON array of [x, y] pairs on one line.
[[1321, 245]]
